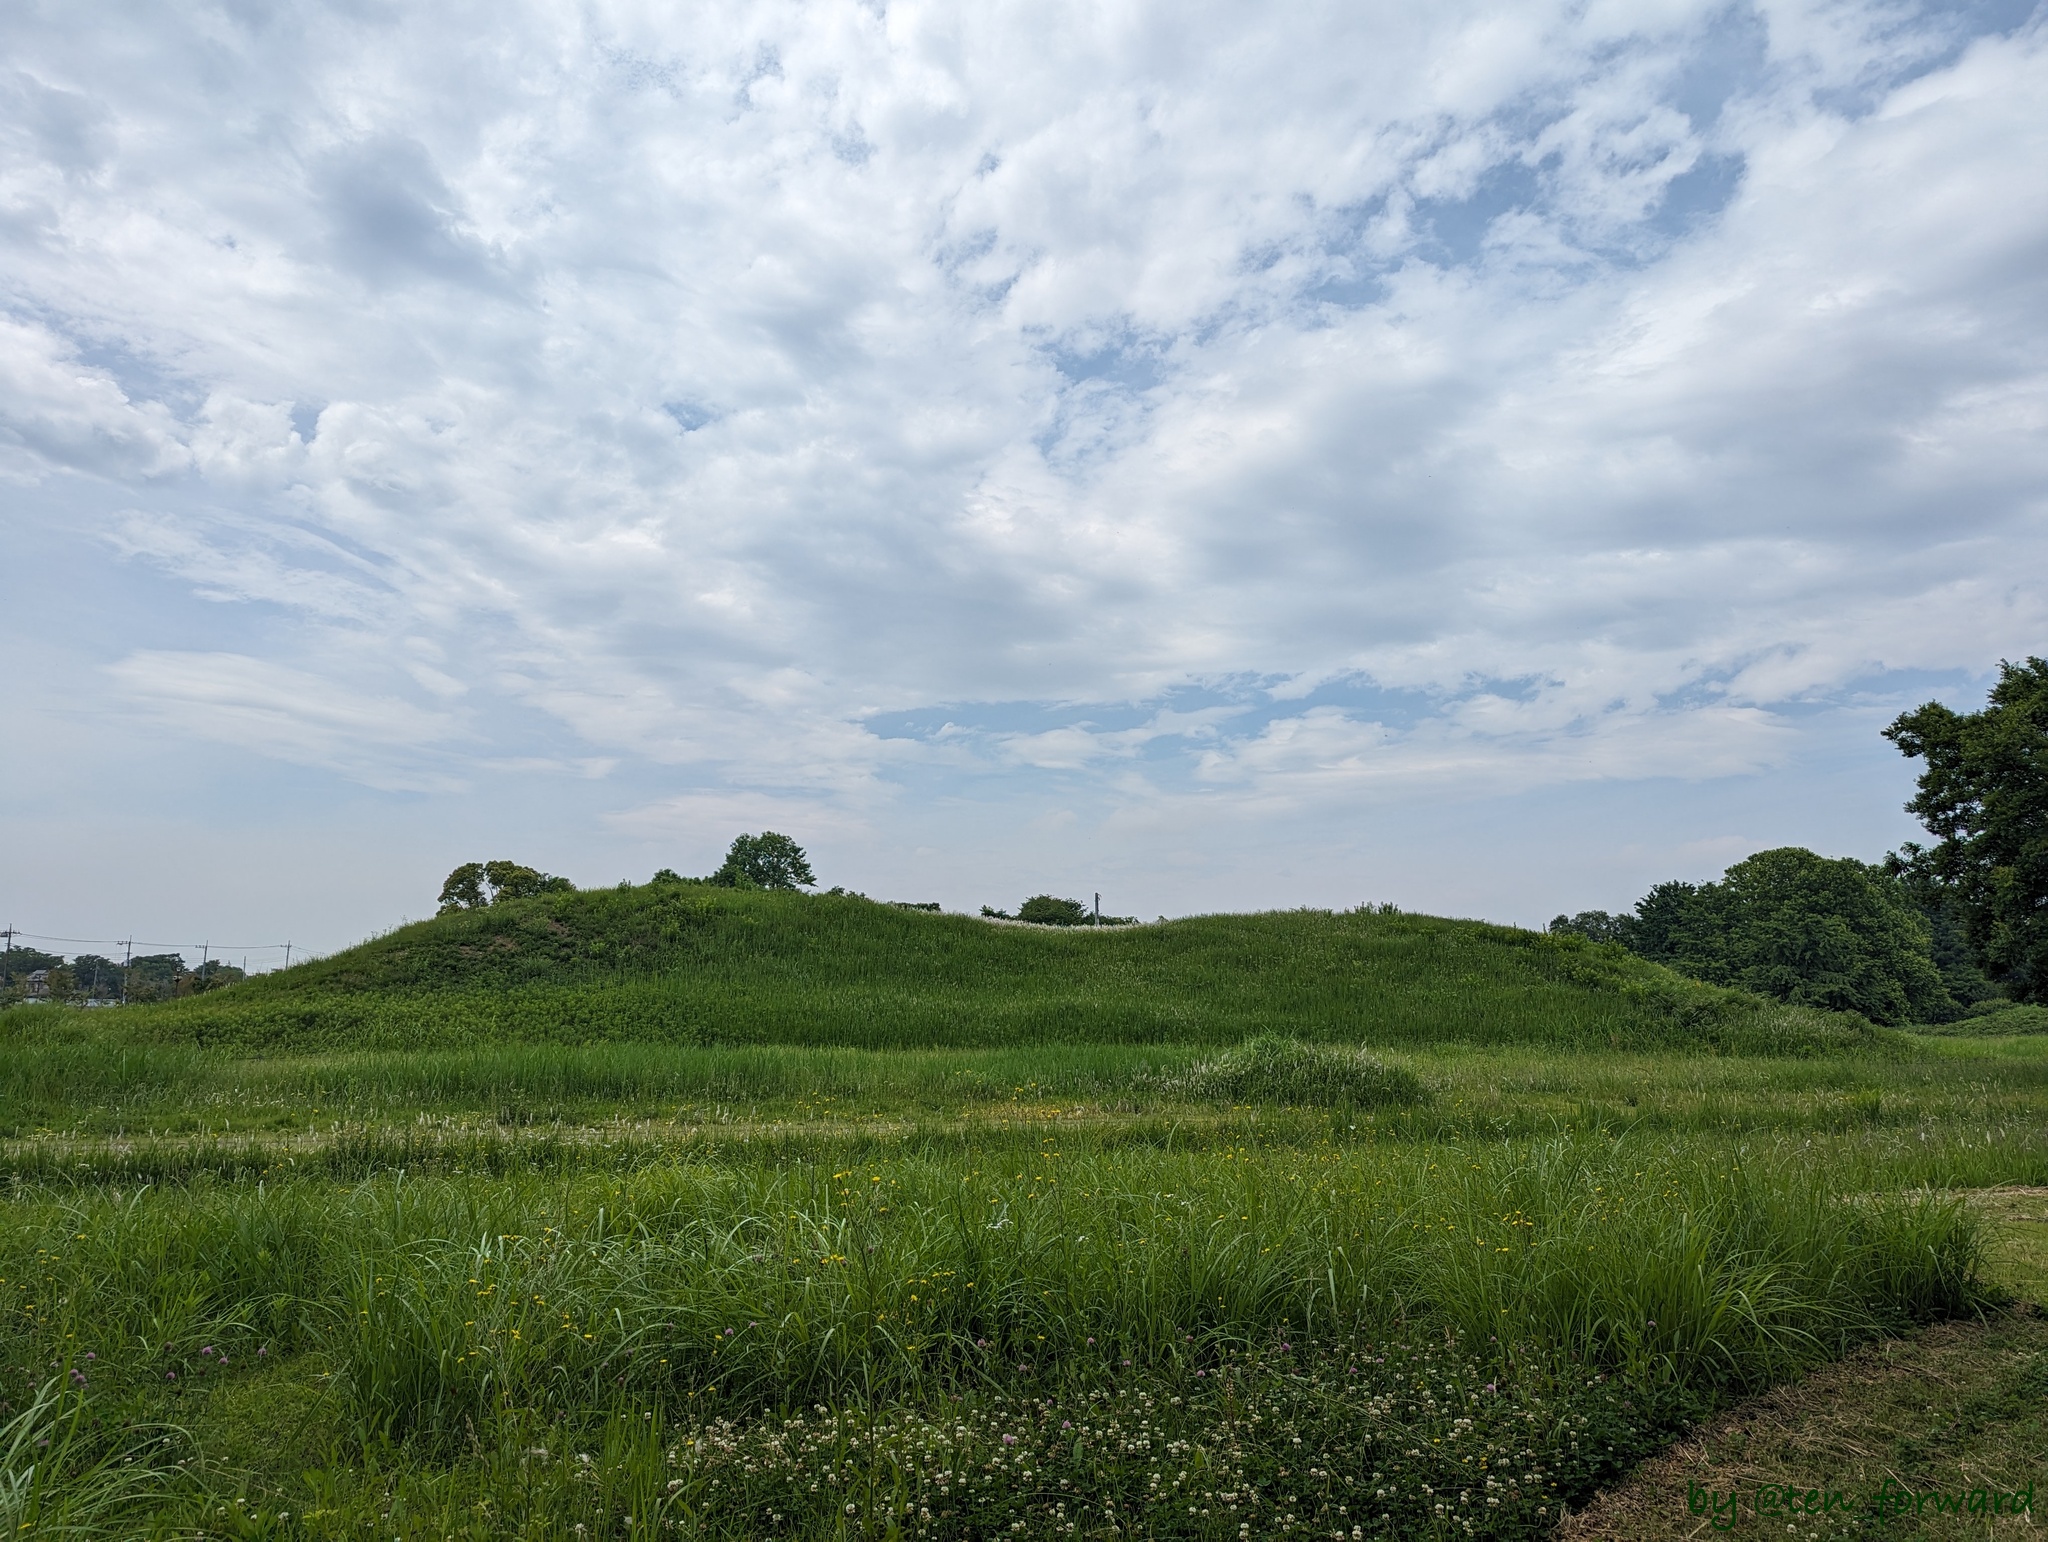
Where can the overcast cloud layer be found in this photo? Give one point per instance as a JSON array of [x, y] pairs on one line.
[[1484, 456]]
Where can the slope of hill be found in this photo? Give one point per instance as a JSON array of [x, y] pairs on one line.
[[698, 965]]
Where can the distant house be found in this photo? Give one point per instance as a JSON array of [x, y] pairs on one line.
[[37, 985]]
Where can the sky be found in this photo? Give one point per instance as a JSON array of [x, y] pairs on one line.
[[1488, 458]]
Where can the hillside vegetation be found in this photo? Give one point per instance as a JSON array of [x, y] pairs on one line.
[[734, 1215], [689, 964]]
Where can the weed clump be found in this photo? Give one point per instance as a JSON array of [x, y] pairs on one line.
[[1272, 1069]]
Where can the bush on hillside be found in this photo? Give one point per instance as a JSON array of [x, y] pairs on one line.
[[1050, 910], [1272, 1069]]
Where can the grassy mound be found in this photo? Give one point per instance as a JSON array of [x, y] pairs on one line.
[[675, 964], [1994, 1018], [1270, 1069]]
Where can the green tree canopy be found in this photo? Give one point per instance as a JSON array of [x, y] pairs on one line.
[[1821, 932], [765, 861], [96, 974], [477, 884], [1594, 926], [20, 962], [1048, 910], [1984, 798]]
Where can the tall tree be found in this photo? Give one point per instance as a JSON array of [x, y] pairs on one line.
[[22, 962], [464, 889], [477, 884], [765, 861], [1051, 910], [1829, 933], [1984, 798]]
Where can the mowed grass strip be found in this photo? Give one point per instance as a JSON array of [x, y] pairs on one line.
[[1913, 1425]]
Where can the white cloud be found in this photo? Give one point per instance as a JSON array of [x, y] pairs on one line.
[[56, 410], [564, 386], [288, 713]]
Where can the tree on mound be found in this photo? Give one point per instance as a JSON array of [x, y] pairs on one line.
[[765, 861], [1595, 926], [474, 885], [1048, 910]]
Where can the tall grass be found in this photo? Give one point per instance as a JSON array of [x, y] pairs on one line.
[[446, 1300], [1201, 1278], [1270, 1069], [62, 1477], [46, 1082]]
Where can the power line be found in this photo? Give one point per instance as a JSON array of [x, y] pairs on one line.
[[116, 942]]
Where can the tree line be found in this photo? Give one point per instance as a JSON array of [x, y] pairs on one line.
[[29, 974], [1930, 934], [765, 861]]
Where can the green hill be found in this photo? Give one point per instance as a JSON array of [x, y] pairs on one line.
[[689, 964]]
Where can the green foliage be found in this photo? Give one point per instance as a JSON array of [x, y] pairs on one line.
[[22, 962], [1050, 910], [1046, 910], [1832, 934], [1941, 907], [742, 1307], [62, 1477], [213, 974], [96, 976], [464, 889], [1984, 797], [475, 885], [765, 861], [1057, 1289], [1271, 1069], [2000, 1017], [155, 977], [695, 964], [1594, 926]]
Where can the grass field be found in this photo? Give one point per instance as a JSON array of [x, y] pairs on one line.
[[308, 1258]]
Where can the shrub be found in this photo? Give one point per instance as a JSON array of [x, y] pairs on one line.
[[1046, 910]]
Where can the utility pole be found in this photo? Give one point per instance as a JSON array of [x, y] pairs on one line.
[[287, 953], [127, 957], [1098, 910], [7, 957]]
